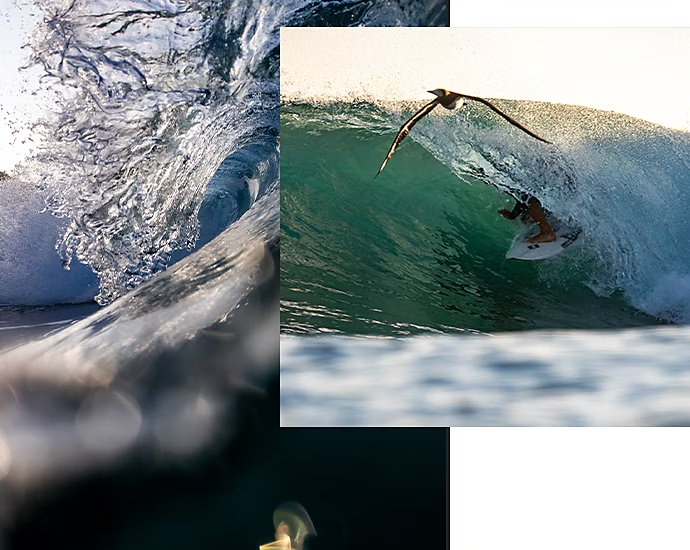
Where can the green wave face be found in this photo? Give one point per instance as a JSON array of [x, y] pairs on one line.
[[417, 249]]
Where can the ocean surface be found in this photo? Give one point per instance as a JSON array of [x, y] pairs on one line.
[[413, 264], [139, 242]]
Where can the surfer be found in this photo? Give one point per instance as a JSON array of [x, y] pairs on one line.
[[531, 210], [531, 207]]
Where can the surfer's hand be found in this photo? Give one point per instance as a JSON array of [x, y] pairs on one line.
[[505, 213]]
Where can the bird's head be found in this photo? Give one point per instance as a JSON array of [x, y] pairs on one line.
[[450, 100], [439, 92]]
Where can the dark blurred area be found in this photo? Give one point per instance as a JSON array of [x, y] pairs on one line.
[[182, 449], [363, 488]]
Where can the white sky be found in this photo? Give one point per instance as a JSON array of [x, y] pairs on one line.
[[17, 104], [638, 72]]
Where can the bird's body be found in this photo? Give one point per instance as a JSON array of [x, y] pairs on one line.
[[449, 100]]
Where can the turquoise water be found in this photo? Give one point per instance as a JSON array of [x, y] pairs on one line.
[[420, 248]]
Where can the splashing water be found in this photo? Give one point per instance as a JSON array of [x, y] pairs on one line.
[[153, 96], [150, 112], [148, 93]]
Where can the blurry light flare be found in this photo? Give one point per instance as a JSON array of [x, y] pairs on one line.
[[9, 402], [282, 543], [263, 344], [108, 421], [292, 524], [5, 458], [185, 421]]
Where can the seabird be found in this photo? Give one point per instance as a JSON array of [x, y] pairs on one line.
[[449, 100]]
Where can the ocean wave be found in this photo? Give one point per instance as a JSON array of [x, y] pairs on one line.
[[151, 98], [623, 180]]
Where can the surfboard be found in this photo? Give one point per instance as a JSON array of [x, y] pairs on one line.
[[522, 250]]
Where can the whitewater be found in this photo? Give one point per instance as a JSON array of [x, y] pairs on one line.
[[414, 264]]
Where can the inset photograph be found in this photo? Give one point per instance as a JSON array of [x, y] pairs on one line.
[[484, 226]]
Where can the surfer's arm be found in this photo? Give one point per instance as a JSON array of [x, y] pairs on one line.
[[519, 209]]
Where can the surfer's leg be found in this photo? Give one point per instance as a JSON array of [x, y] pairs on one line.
[[546, 234]]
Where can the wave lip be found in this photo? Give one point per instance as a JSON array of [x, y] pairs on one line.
[[150, 110]]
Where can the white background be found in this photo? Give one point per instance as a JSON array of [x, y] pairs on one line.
[[562, 489], [570, 13], [569, 488]]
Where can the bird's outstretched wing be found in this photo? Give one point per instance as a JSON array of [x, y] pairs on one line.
[[509, 119], [407, 127], [430, 106]]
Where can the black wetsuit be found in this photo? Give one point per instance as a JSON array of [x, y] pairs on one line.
[[519, 208]]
